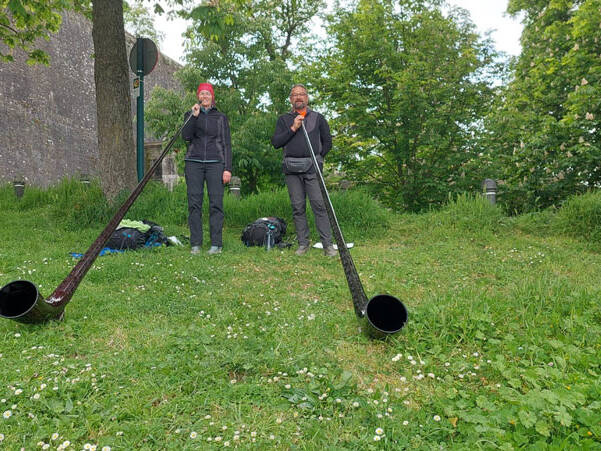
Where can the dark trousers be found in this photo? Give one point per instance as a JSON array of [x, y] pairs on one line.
[[196, 175], [301, 186]]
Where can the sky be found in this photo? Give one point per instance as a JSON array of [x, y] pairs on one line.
[[487, 15]]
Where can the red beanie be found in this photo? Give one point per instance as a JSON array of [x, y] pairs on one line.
[[206, 87]]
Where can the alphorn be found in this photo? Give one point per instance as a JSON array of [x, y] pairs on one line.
[[383, 314], [21, 301]]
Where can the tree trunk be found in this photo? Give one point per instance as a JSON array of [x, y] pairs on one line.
[[115, 130]]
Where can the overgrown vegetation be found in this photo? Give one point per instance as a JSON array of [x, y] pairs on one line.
[[163, 350]]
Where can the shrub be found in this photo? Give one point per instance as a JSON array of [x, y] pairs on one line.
[[580, 217]]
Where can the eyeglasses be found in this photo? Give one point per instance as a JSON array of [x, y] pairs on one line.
[[298, 94]]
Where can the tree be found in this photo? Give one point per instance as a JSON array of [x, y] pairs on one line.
[[409, 87], [139, 21], [23, 22], [115, 132], [545, 135], [247, 49]]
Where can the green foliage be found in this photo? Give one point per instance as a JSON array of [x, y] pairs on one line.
[[22, 22], [580, 217], [545, 129], [139, 21], [409, 85]]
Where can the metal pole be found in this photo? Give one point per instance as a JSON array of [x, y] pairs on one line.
[[140, 109]]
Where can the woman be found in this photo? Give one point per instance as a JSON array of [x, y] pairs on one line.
[[209, 158]]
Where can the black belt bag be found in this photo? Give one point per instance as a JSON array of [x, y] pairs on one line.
[[295, 165]]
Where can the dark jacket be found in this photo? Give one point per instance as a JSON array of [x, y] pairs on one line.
[[209, 138], [294, 142]]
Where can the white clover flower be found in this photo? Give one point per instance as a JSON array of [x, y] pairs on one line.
[[403, 379], [355, 404], [106, 448], [65, 444], [338, 400], [287, 386], [272, 437], [379, 431], [233, 381], [119, 433], [377, 438], [87, 446], [193, 435], [54, 436], [1, 435], [218, 438], [226, 443], [18, 391], [278, 420], [405, 423], [253, 434], [207, 417], [7, 414], [431, 375], [36, 396], [46, 446], [17, 335], [436, 418]]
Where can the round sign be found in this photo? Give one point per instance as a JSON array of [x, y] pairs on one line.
[[150, 56]]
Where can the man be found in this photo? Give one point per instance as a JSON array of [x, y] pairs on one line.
[[301, 178]]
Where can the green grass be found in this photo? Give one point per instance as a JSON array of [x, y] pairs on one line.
[[262, 350]]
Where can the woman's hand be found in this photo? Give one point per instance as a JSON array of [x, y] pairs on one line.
[[227, 175], [196, 110]]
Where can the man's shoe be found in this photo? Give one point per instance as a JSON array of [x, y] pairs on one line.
[[330, 251], [302, 249], [214, 250], [195, 250]]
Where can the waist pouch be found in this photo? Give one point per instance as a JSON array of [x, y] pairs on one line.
[[296, 165]]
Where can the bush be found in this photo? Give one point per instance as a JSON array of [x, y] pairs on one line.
[[468, 212], [580, 217]]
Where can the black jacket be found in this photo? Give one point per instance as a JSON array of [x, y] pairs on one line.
[[209, 138], [294, 142]]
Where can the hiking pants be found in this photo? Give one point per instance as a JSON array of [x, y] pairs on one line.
[[196, 175], [301, 186]]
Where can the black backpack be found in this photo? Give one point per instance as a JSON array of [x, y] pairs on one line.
[[130, 238], [264, 232]]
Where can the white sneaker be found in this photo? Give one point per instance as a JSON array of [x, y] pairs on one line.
[[214, 250], [195, 250]]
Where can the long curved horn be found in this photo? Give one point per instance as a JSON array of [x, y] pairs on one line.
[[383, 314], [21, 301]]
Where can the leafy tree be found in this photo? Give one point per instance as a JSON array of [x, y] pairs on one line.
[[139, 21], [23, 22], [409, 86], [545, 136], [247, 49]]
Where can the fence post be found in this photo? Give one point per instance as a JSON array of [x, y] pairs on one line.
[[489, 188]]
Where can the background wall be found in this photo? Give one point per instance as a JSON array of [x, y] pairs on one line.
[[48, 113]]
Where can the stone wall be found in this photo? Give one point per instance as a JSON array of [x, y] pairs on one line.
[[48, 113]]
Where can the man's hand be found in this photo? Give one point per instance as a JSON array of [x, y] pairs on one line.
[[196, 110], [298, 120], [227, 175]]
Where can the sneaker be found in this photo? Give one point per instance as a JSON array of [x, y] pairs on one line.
[[302, 249], [195, 250], [214, 250], [330, 251]]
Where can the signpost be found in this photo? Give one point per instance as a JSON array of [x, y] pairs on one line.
[[142, 60]]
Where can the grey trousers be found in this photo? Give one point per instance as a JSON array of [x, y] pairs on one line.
[[301, 186], [196, 174]]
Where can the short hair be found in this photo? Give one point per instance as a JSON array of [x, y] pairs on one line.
[[298, 85]]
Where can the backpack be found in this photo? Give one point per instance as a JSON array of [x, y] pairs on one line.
[[132, 238], [264, 232]]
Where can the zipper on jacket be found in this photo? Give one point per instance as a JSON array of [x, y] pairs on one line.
[[206, 134]]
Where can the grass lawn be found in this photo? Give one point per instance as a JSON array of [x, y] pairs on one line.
[[160, 349]]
